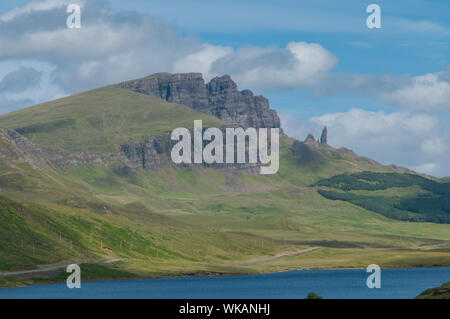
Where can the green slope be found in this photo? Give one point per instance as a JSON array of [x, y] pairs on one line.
[[100, 120]]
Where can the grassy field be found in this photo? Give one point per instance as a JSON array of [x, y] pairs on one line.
[[183, 220]]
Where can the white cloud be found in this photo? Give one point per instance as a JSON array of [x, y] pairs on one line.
[[109, 47], [8, 105], [32, 8], [26, 83], [202, 60], [299, 64], [361, 123], [426, 93], [426, 168], [434, 146]]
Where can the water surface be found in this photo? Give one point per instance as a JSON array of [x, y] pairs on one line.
[[395, 283]]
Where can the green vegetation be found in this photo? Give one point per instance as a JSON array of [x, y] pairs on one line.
[[377, 181], [89, 272], [313, 295], [193, 220], [406, 197], [99, 121], [442, 292]]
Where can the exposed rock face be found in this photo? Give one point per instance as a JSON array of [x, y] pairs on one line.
[[155, 152], [152, 153], [304, 151], [55, 156], [324, 137], [184, 88], [241, 107], [310, 139], [14, 146], [220, 97]]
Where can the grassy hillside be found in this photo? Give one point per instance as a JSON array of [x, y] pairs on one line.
[[205, 226], [185, 220], [98, 121]]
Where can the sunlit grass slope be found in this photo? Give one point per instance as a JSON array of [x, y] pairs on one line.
[[99, 121]]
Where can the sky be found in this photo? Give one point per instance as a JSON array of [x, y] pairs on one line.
[[382, 92]]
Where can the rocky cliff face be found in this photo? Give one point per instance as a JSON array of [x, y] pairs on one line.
[[324, 136], [220, 97], [154, 153], [150, 153], [14, 146]]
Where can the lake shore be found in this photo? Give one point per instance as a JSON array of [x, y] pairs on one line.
[[337, 283], [36, 281]]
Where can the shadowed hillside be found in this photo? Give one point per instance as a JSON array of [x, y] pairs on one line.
[[400, 196]]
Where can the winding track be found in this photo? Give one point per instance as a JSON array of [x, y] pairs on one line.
[[47, 269], [256, 261], [247, 263]]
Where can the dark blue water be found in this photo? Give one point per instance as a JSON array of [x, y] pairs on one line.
[[395, 283]]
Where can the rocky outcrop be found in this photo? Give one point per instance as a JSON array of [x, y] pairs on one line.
[[155, 152], [311, 142], [55, 155], [14, 146], [149, 154], [310, 139], [304, 151], [311, 150], [324, 136], [220, 97], [242, 107]]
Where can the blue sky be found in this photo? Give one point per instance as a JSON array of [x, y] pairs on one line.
[[316, 61], [340, 26]]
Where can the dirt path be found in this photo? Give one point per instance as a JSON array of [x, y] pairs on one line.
[[48, 269], [251, 262], [256, 261]]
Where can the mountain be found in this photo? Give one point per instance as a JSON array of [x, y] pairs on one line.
[[88, 178]]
